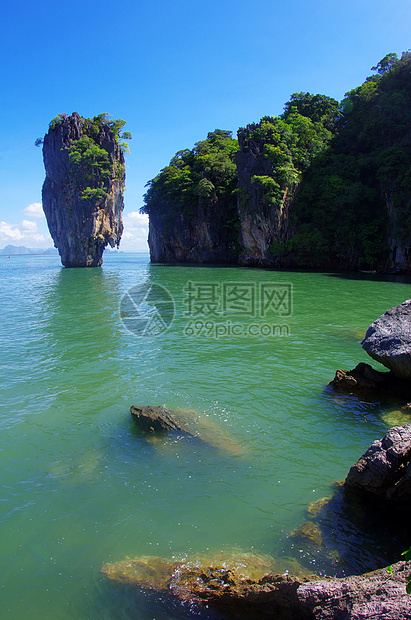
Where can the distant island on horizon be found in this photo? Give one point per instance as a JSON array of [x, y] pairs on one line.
[[19, 250]]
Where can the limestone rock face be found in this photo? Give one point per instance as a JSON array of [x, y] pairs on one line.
[[397, 203], [201, 240], [388, 340], [262, 224], [384, 470], [83, 189], [376, 595]]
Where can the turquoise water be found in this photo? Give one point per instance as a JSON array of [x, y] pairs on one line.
[[81, 486]]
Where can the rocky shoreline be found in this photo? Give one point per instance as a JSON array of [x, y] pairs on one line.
[[377, 489], [246, 586]]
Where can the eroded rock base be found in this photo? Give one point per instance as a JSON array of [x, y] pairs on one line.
[[240, 588]]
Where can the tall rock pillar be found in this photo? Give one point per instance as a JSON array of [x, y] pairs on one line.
[[84, 185]]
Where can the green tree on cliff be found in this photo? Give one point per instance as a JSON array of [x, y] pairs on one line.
[[206, 172], [90, 161], [341, 206], [290, 143]]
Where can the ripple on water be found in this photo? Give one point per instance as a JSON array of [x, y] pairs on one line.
[[78, 477]]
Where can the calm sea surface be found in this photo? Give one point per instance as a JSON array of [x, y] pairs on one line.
[[80, 486]]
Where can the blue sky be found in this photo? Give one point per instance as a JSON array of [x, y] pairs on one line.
[[174, 71]]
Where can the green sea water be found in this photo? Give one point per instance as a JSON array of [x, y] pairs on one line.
[[81, 486]]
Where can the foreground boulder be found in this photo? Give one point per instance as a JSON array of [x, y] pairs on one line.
[[84, 185], [376, 596], [388, 340], [384, 470]]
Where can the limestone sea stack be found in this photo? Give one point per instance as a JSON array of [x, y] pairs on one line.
[[84, 185]]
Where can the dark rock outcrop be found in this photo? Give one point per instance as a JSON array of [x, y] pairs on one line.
[[202, 239], [83, 189], [155, 419], [388, 340], [365, 381], [362, 378], [384, 470]]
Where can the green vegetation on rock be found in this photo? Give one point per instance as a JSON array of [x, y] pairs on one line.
[[205, 173], [91, 167], [341, 209], [334, 178], [289, 143]]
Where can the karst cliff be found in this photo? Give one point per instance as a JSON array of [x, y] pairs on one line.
[[84, 185], [192, 204], [326, 185]]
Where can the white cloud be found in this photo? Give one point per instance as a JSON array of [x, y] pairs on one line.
[[27, 234], [134, 238], [9, 233], [34, 234], [28, 227], [136, 220], [35, 209]]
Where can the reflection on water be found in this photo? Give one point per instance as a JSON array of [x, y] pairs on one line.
[[89, 490]]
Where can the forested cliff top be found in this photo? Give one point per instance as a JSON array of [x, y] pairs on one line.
[[326, 184]]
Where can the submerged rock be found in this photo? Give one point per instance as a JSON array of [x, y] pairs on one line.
[[384, 470], [308, 532], [388, 340], [157, 422], [242, 585], [155, 419], [83, 189]]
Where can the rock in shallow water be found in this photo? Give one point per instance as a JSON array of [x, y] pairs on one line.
[[157, 421], [384, 470], [241, 585], [388, 340], [363, 378], [151, 419]]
